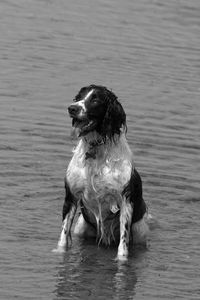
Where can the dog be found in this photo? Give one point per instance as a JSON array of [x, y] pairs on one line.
[[101, 177]]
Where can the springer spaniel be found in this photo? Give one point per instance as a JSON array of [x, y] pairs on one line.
[[101, 176]]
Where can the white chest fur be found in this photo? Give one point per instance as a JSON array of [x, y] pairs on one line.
[[99, 181], [105, 175]]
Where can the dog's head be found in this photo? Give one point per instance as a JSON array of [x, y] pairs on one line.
[[95, 108]]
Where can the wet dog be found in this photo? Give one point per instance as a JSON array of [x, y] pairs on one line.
[[101, 176]]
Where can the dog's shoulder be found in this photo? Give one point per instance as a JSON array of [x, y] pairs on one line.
[[76, 173]]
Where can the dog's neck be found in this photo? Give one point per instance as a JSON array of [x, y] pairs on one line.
[[93, 149], [93, 141]]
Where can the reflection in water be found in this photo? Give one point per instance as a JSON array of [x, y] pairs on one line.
[[88, 271], [125, 281]]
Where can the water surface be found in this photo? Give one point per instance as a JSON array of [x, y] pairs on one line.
[[147, 52]]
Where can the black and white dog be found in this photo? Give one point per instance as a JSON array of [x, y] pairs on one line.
[[101, 177]]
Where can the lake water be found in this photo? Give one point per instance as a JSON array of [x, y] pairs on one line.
[[148, 53]]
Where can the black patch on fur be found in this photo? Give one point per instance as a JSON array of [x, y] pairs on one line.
[[85, 215], [133, 192], [126, 227], [125, 235], [69, 200]]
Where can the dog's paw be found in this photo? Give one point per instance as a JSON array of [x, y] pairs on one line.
[[59, 250], [121, 258], [122, 255]]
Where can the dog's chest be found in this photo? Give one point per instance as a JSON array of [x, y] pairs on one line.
[[97, 181], [99, 187]]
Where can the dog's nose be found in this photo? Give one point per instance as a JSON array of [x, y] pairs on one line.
[[73, 110]]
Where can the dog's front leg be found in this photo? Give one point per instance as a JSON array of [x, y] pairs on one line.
[[65, 235], [69, 211], [126, 213]]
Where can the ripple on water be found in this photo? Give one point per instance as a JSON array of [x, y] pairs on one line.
[[148, 53]]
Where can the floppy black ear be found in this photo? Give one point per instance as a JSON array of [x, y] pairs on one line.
[[115, 117]]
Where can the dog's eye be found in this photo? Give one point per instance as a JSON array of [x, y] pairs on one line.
[[94, 100]]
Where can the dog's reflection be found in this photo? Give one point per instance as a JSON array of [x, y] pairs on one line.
[[88, 271]]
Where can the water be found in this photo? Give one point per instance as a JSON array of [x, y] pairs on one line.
[[148, 52]]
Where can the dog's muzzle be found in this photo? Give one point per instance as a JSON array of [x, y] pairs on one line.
[[74, 110]]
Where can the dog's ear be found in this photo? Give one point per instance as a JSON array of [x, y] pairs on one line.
[[115, 117]]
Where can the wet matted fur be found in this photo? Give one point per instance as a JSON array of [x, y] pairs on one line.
[[101, 176]]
